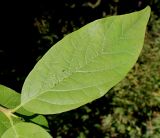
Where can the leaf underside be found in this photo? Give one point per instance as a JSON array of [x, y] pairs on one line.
[[85, 64], [26, 130]]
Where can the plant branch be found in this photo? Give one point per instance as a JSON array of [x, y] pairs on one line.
[[15, 109]]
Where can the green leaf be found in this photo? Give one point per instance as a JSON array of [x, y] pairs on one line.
[[40, 120], [26, 130], [8, 97], [11, 99], [85, 64], [5, 123]]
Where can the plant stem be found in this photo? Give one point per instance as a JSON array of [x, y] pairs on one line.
[[2, 109], [15, 109], [9, 115], [7, 112]]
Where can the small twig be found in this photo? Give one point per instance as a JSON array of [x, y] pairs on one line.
[[98, 2]]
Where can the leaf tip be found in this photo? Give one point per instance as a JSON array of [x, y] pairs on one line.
[[146, 12], [147, 9]]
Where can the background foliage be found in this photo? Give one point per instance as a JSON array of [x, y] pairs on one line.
[[131, 109]]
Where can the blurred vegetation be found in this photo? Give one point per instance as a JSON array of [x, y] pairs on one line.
[[130, 109]]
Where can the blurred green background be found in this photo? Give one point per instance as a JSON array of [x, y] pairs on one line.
[[129, 110]]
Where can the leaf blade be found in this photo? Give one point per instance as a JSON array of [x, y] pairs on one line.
[[11, 99], [85, 64], [5, 123], [8, 97], [20, 131]]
